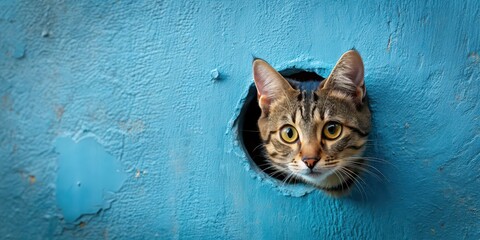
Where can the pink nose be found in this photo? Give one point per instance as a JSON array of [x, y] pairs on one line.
[[310, 162]]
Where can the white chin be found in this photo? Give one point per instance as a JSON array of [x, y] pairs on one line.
[[315, 178]]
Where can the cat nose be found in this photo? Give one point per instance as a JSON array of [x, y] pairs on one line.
[[310, 162]]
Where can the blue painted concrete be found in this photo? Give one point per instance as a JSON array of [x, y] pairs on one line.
[[139, 77]]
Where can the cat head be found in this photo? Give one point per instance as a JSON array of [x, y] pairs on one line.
[[316, 135]]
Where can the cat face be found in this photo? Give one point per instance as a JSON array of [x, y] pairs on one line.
[[315, 135]]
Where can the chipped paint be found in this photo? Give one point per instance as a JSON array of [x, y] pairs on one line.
[[86, 178]]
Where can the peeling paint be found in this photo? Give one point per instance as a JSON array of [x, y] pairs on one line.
[[86, 173]]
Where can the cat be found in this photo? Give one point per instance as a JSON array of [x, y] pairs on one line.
[[315, 132]]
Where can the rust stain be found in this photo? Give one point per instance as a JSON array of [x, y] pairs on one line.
[[28, 177], [7, 102], [32, 179], [59, 112], [4, 100], [132, 127], [389, 43], [474, 56], [105, 234], [139, 173]]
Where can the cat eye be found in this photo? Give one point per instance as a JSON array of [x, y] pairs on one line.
[[289, 134], [332, 130]]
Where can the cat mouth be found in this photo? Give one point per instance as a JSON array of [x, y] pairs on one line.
[[314, 174], [339, 189]]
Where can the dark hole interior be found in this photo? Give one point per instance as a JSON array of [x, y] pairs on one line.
[[248, 123]]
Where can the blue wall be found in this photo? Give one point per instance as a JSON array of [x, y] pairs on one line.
[[114, 125]]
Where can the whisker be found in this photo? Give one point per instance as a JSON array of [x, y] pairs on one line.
[[269, 168], [356, 177], [353, 174], [371, 159], [276, 173], [364, 169], [340, 177], [259, 145], [287, 178], [356, 184], [377, 160], [252, 131], [331, 163], [364, 166]]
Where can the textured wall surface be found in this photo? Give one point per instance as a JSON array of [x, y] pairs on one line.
[[118, 118]]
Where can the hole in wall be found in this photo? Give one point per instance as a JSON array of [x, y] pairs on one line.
[[248, 129]]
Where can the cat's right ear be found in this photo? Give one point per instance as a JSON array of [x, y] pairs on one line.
[[270, 84]]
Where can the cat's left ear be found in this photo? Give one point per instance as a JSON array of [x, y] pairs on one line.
[[347, 77]]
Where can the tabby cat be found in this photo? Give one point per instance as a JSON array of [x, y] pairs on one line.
[[315, 132]]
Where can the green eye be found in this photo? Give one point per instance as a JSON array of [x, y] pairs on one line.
[[289, 134], [332, 130]]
